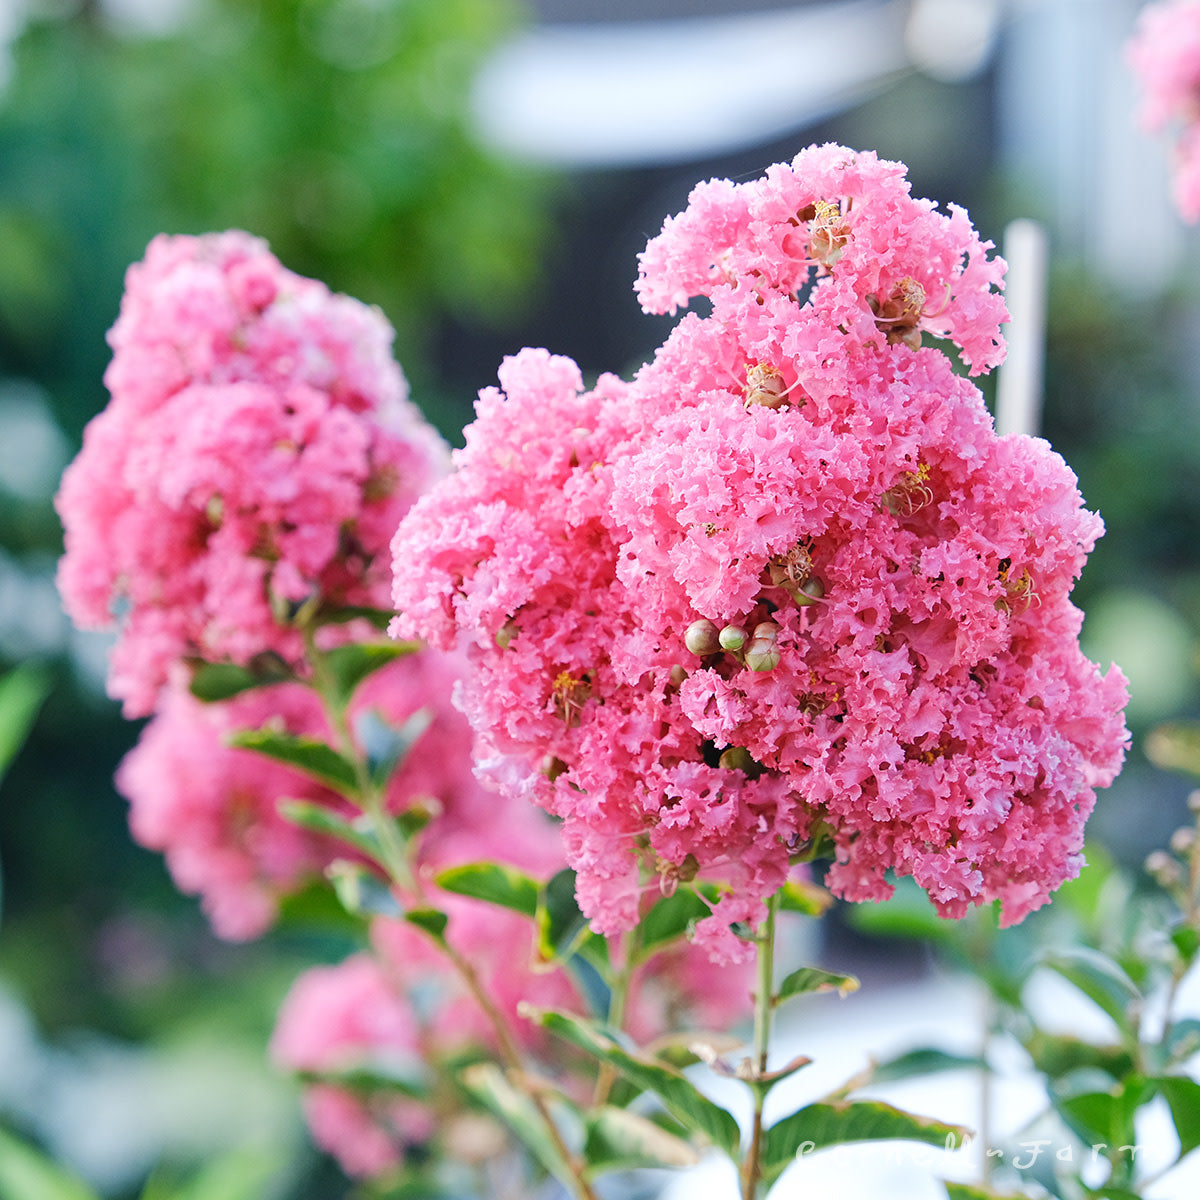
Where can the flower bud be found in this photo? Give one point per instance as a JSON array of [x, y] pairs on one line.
[[762, 653], [702, 638], [732, 637], [506, 633], [1163, 867], [1182, 840], [1193, 801]]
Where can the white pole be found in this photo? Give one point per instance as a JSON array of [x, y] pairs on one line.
[[1019, 388]]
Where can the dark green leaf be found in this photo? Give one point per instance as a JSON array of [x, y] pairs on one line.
[[925, 1061], [349, 665], [497, 883], [560, 924], [909, 913], [489, 1085], [222, 681], [361, 892], [1099, 978], [833, 1123], [1059, 1054], [813, 979], [682, 1099], [619, 1140], [313, 757], [430, 920], [368, 1080], [1183, 1098], [379, 617], [1100, 1115], [27, 1174], [1186, 939]]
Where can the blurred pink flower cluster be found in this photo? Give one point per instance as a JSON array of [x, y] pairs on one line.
[[257, 453], [787, 588], [1165, 53]]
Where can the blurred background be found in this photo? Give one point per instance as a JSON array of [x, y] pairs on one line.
[[487, 172]]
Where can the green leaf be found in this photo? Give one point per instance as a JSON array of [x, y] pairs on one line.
[[379, 617], [213, 682], [27, 1174], [312, 756], [1059, 1054], [1099, 978], [924, 1061], [496, 883], [241, 1175], [813, 979], [362, 893], [560, 924], [679, 1095], [1183, 1040], [1100, 1114], [349, 665], [975, 1191], [809, 899], [1186, 939], [430, 920], [1183, 1099], [489, 1085], [670, 919], [833, 1123], [22, 691], [909, 913], [620, 1140], [386, 745], [319, 818]]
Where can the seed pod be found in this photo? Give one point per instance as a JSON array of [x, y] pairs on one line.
[[762, 651], [808, 592], [732, 637], [702, 637]]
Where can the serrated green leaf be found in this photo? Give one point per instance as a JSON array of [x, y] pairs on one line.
[[620, 1140], [347, 666], [669, 920], [319, 818], [313, 757], [813, 979], [489, 1085], [27, 1174], [1183, 1099], [497, 883], [682, 1099], [430, 920], [926, 1060], [833, 1123], [362, 893], [1099, 978]]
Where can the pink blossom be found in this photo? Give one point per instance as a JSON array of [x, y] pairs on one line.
[[1164, 52], [257, 453], [797, 466]]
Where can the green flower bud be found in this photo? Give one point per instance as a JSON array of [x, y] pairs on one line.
[[732, 637], [808, 592]]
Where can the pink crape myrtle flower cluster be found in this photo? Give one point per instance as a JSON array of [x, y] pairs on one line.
[[257, 453], [787, 591], [1165, 54]]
